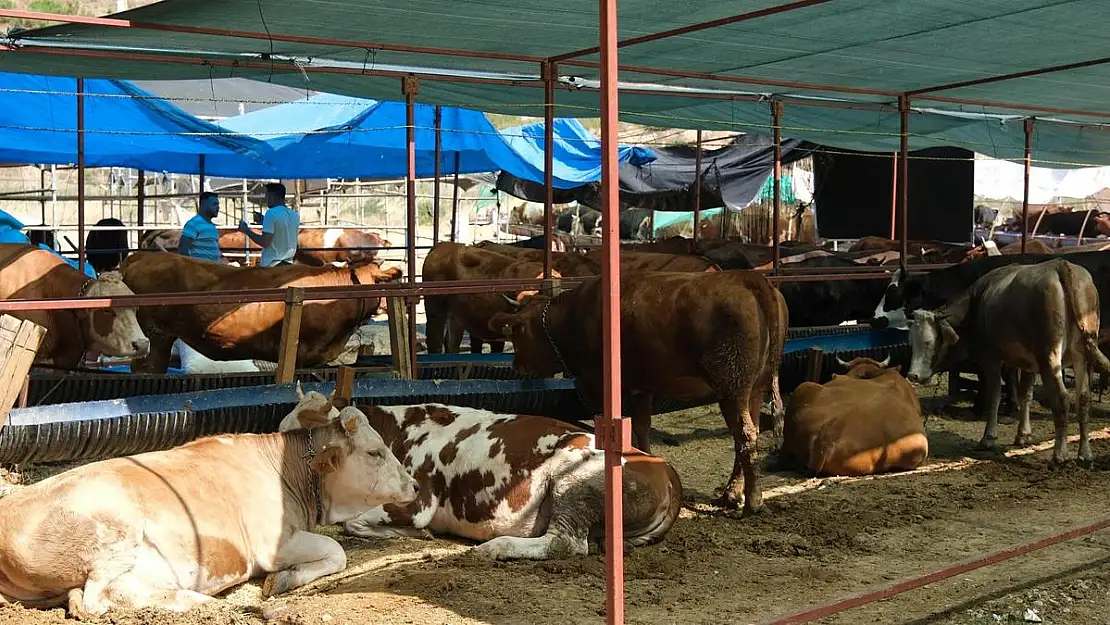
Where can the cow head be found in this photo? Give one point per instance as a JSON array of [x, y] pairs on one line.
[[114, 331], [533, 352], [358, 471], [313, 410], [518, 300], [932, 339], [1102, 223], [863, 368], [902, 294]]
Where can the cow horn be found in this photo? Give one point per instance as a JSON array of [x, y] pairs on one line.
[[885, 362], [300, 391], [511, 301], [842, 363]]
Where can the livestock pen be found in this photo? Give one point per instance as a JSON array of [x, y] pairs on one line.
[[877, 87]]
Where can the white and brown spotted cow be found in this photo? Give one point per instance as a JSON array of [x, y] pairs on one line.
[[530, 487], [864, 422], [169, 529]]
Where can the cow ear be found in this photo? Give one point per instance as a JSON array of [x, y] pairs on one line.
[[507, 324], [948, 332], [895, 368], [352, 420], [328, 460], [339, 403]]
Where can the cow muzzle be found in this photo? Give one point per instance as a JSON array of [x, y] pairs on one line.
[[141, 347]]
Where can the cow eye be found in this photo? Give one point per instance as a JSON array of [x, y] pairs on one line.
[[374, 453]]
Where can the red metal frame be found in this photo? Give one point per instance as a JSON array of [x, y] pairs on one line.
[[893, 195], [410, 87], [438, 173], [776, 123], [81, 175], [1025, 191], [904, 176], [549, 73]]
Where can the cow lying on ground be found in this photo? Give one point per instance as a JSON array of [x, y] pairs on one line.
[[683, 335], [450, 315], [1037, 319], [246, 331], [864, 422], [169, 529], [29, 272], [531, 487]]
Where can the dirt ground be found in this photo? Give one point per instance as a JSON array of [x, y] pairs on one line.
[[814, 542]]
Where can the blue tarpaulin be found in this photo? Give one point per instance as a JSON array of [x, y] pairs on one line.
[[577, 153], [124, 126]]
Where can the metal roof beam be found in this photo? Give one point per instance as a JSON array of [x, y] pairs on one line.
[[682, 30], [1024, 74]]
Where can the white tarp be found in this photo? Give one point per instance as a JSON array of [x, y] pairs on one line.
[[1000, 180]]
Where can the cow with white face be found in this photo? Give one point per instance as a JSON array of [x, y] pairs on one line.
[[531, 487], [169, 529]]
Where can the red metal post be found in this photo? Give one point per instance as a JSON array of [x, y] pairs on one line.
[[1028, 173], [697, 191], [903, 177], [438, 172], [893, 196], [80, 175], [455, 201], [776, 210], [410, 87], [548, 71], [615, 429]]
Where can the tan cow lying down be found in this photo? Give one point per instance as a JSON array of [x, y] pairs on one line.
[[864, 422], [531, 487], [169, 529], [29, 272]]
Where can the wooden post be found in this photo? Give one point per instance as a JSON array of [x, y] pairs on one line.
[[398, 337], [344, 387], [290, 335], [815, 361], [19, 343]]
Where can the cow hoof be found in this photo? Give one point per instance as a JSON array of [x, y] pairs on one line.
[[1023, 440], [728, 501], [986, 443], [489, 550], [275, 584]]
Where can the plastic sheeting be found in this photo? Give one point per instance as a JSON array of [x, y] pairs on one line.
[[1001, 180]]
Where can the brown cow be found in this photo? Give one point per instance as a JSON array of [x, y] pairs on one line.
[[450, 315], [549, 501], [567, 264], [651, 261], [315, 239], [30, 272], [246, 331], [864, 422], [683, 335], [1031, 247], [672, 245], [170, 529]]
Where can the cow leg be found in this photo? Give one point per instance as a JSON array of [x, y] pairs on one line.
[[1052, 376], [639, 411], [455, 333], [1083, 408], [435, 326], [1024, 396], [393, 521], [778, 410], [738, 417], [990, 383], [302, 558]]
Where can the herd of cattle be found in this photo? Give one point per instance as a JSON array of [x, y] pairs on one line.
[[168, 529]]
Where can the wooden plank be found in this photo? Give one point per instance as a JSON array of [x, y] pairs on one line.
[[290, 336], [344, 387], [399, 337], [19, 344]]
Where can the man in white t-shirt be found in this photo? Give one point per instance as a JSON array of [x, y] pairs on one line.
[[279, 229]]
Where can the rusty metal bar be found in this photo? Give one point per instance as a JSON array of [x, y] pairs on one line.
[[410, 87], [692, 28], [697, 190], [1023, 74], [893, 195], [615, 430], [813, 614], [265, 36], [438, 167], [455, 201], [776, 209], [81, 175], [1025, 191], [903, 178], [548, 71]]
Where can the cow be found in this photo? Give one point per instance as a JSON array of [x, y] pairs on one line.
[[106, 249], [670, 245], [449, 315], [1032, 247], [636, 224], [543, 497], [683, 335], [30, 272], [567, 264], [249, 331], [863, 422], [580, 220], [726, 254], [830, 302], [1036, 318], [651, 261], [314, 246], [984, 216], [558, 243], [171, 529], [1066, 222]]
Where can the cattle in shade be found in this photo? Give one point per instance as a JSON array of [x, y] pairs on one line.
[[1037, 319], [635, 224], [670, 245], [315, 246], [170, 529], [1031, 247], [106, 249], [567, 264], [984, 216], [651, 261], [250, 331], [30, 272], [863, 422], [580, 220], [543, 499], [1063, 220], [450, 315], [683, 335], [830, 302]]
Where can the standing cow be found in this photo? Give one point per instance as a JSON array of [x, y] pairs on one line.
[[683, 335], [1037, 319]]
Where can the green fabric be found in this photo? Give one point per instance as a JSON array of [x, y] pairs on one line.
[[767, 191], [886, 45]]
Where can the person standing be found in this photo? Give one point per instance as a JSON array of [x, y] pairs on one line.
[[199, 237], [280, 226]]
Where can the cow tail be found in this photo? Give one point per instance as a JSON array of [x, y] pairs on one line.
[[1087, 323]]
